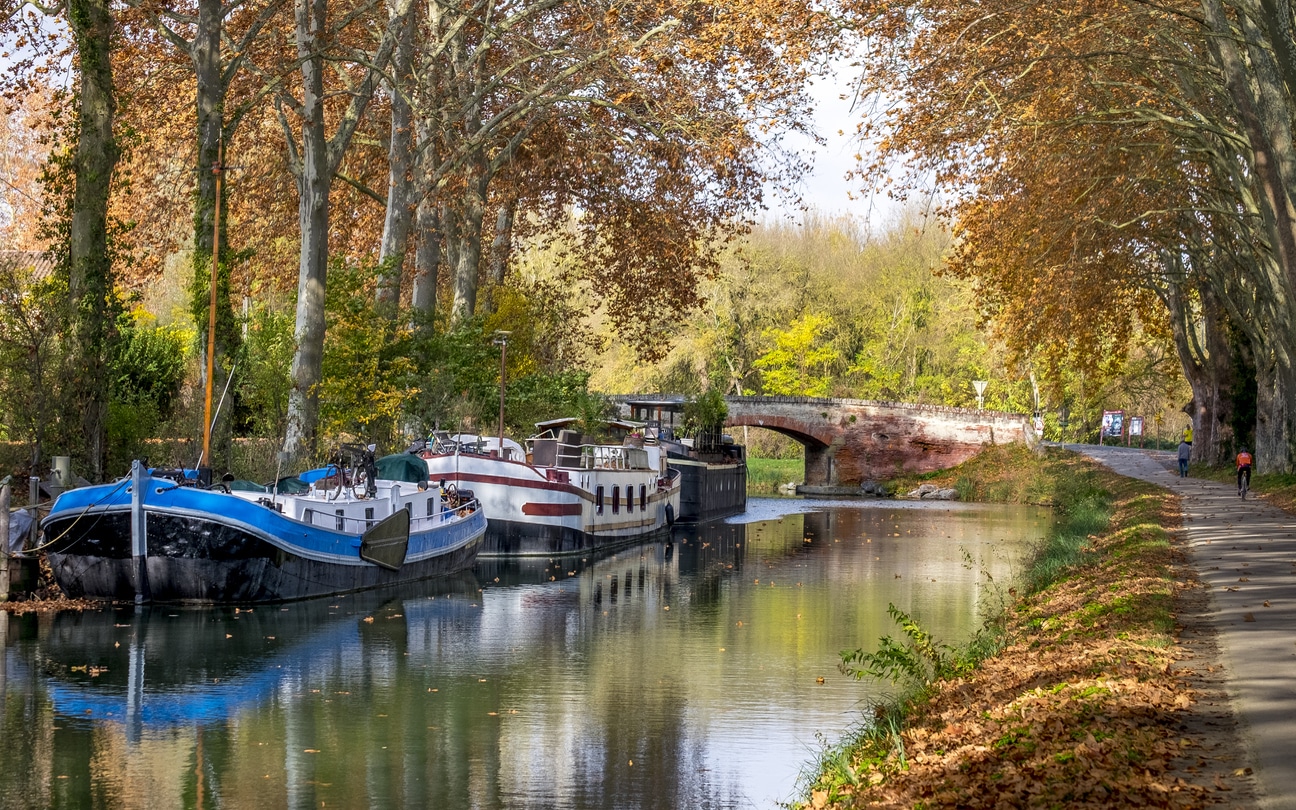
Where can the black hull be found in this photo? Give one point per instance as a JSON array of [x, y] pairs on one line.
[[708, 492], [510, 538], [203, 562]]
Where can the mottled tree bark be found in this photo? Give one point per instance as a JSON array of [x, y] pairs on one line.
[[314, 166], [1264, 109], [313, 183], [467, 269], [400, 166], [502, 245], [90, 263], [427, 257]]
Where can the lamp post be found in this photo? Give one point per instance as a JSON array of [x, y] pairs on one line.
[[501, 340], [980, 386]]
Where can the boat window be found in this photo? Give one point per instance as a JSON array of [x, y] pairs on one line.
[[431, 507], [643, 497], [629, 498], [341, 520], [616, 500], [598, 500], [369, 516]]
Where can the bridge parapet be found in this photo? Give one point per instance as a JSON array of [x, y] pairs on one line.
[[850, 441]]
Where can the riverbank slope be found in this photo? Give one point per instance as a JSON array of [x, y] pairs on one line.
[[1106, 691]]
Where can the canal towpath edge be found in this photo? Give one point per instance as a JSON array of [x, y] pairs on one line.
[[1245, 554]]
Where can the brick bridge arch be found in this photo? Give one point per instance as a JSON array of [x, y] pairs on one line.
[[850, 441]]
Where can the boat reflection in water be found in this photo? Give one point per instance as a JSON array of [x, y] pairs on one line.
[[661, 675], [158, 667]]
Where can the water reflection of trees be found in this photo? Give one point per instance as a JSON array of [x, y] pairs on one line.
[[539, 690]]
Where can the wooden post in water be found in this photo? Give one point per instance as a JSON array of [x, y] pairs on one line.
[[4, 549], [139, 534]]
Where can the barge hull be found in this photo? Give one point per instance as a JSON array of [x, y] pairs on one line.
[[196, 561], [513, 538]]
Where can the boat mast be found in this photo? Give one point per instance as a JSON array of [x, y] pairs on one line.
[[211, 314]]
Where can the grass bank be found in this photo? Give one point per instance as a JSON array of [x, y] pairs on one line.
[[1067, 698], [765, 475]]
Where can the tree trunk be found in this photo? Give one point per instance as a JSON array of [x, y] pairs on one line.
[[396, 224], [468, 267], [90, 267], [1212, 421], [313, 217], [314, 168], [502, 246], [427, 258], [1264, 111]]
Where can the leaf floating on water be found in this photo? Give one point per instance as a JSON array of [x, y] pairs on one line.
[[227, 635], [311, 751], [368, 619]]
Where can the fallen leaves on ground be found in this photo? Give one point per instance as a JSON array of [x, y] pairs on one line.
[[1081, 710]]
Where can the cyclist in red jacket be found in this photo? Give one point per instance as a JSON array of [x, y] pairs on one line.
[[1243, 469]]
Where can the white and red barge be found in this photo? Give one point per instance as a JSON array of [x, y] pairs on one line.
[[562, 497]]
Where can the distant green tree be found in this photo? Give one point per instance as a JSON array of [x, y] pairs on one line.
[[31, 315], [262, 380], [803, 360], [145, 371]]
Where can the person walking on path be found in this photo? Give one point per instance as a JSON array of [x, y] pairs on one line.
[[1185, 453], [1243, 469]]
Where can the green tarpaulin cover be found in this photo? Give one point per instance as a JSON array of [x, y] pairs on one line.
[[402, 467]]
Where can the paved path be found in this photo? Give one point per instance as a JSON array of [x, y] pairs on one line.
[[1245, 551]]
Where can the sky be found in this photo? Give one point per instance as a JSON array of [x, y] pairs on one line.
[[825, 189]]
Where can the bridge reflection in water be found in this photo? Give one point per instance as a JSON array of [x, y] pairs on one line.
[[664, 675]]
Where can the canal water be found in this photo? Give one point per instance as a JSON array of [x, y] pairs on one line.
[[667, 675]]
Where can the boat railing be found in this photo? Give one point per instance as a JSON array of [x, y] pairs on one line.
[[613, 457], [356, 525]]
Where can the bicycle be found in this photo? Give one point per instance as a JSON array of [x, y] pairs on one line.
[[1244, 484]]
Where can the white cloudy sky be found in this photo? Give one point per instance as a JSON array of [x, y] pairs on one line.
[[825, 188]]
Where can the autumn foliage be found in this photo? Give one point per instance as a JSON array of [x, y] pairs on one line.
[[1087, 705]]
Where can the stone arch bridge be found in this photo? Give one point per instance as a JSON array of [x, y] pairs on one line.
[[851, 441]]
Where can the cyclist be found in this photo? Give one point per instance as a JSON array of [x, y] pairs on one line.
[[1243, 471]]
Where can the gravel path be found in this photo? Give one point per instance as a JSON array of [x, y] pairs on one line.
[[1245, 553]]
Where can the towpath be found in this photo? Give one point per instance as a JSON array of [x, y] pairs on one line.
[[1245, 552]]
